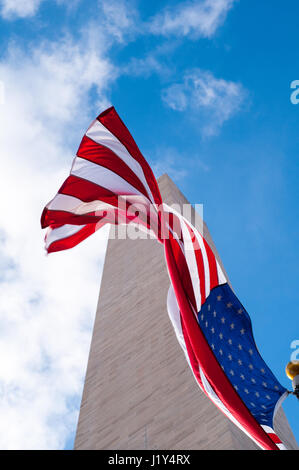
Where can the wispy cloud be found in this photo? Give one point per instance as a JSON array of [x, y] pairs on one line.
[[212, 100], [153, 62], [11, 9], [176, 164], [166, 160], [120, 18], [194, 18]]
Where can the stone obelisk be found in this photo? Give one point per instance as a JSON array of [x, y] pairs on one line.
[[139, 392]]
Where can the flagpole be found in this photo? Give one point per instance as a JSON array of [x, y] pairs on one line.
[[292, 372]]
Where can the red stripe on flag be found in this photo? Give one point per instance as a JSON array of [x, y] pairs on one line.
[[56, 219], [103, 156], [115, 125], [73, 240], [274, 438], [212, 265], [183, 270], [87, 191], [52, 218]]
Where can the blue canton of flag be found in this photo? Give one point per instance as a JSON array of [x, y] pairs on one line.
[[227, 328]]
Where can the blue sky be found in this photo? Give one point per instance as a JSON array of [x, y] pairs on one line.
[[204, 87]]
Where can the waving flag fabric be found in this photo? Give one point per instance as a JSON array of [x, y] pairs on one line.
[[108, 177]]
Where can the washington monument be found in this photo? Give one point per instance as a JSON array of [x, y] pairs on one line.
[[139, 392]]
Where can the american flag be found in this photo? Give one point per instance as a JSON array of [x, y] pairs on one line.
[[109, 175]]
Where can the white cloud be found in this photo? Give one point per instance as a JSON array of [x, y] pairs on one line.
[[212, 100], [152, 62], [192, 19], [47, 303], [19, 8], [120, 19], [177, 164], [195, 18], [146, 66], [2, 92], [168, 160]]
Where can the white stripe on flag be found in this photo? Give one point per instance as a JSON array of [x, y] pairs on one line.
[[269, 430], [192, 264], [205, 259], [74, 205], [281, 446], [101, 135], [202, 247], [62, 232], [102, 177], [137, 204]]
